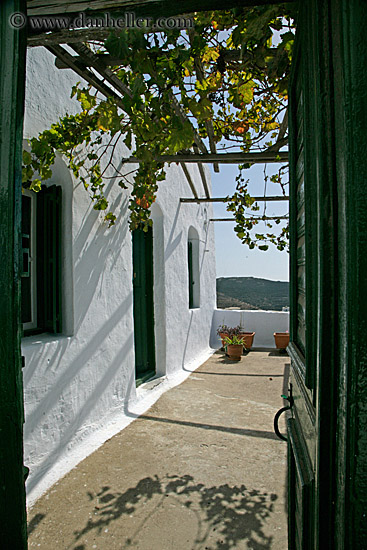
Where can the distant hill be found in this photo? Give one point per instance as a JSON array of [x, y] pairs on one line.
[[252, 293]]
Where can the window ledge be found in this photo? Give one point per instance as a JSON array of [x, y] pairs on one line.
[[34, 339]]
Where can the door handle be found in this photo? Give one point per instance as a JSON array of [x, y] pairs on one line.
[[289, 398]]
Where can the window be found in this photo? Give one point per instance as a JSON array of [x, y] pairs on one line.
[[41, 260], [193, 269], [191, 276]]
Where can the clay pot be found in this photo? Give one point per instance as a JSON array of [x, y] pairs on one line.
[[234, 352], [223, 336], [281, 339], [248, 339]]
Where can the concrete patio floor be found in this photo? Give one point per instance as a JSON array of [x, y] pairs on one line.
[[201, 470]]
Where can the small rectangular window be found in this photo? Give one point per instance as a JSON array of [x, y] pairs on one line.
[[41, 260], [193, 268], [191, 276]]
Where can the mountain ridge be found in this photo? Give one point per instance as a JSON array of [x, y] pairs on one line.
[[252, 293]]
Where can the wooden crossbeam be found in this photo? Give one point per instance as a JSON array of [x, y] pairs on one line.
[[208, 123], [87, 75], [68, 37], [84, 73], [183, 116], [189, 179], [222, 158], [87, 35], [143, 8], [281, 140], [226, 199], [202, 174], [90, 59], [264, 218]]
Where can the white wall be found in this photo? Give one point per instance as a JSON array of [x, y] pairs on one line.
[[76, 382], [264, 323]]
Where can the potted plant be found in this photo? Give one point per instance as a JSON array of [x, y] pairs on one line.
[[281, 340], [247, 339], [234, 345], [223, 331]]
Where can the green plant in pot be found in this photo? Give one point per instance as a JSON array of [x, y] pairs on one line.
[[223, 331], [234, 345]]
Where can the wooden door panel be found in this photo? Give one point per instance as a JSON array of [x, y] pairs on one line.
[[301, 491], [302, 427], [143, 304]]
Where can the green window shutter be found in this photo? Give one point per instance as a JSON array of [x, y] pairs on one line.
[[191, 276], [49, 259]]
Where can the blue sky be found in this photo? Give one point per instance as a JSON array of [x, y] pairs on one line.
[[233, 258]]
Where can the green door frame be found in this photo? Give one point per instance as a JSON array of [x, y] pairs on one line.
[[143, 305], [13, 530], [345, 314], [328, 496]]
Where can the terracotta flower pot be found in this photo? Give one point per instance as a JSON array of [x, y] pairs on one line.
[[234, 352], [248, 339], [223, 336], [281, 339]]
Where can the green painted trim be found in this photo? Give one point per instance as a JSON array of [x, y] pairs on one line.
[[145, 378], [191, 274], [12, 492], [348, 21], [143, 298]]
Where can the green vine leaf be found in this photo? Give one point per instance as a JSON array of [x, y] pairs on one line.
[[228, 76]]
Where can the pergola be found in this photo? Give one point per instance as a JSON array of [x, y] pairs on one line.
[[103, 79], [327, 443]]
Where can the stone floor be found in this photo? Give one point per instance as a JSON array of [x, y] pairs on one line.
[[201, 470]]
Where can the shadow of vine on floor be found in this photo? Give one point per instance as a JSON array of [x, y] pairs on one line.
[[225, 515]]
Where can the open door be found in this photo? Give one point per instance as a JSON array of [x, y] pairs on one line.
[[327, 452], [143, 305], [13, 528]]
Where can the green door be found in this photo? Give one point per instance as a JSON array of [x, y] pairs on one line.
[[13, 529], [143, 304], [302, 428], [327, 436]]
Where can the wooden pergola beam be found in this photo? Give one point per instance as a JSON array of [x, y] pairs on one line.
[[162, 8], [183, 116], [208, 123], [86, 35], [107, 74], [189, 179], [84, 73], [226, 199], [222, 158], [88, 58], [202, 175], [253, 218]]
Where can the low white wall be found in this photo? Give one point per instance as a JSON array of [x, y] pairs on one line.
[[264, 323]]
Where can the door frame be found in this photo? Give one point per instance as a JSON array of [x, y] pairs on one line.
[[13, 532], [143, 305]]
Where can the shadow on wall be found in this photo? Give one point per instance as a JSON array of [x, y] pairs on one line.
[[186, 343], [159, 279], [90, 255], [172, 243], [218, 516], [66, 380]]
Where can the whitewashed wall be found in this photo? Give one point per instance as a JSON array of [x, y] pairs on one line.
[[264, 323], [77, 382]]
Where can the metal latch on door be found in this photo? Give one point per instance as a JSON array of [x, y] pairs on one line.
[[289, 398]]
